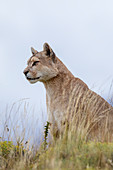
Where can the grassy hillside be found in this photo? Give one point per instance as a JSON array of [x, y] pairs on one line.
[[67, 152], [71, 151]]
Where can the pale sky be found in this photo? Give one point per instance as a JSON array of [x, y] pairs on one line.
[[79, 31]]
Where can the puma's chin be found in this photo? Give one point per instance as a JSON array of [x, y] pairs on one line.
[[32, 81]]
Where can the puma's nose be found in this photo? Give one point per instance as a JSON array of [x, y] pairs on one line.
[[25, 72]]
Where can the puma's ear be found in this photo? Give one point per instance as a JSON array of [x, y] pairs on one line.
[[47, 48], [33, 51], [49, 51]]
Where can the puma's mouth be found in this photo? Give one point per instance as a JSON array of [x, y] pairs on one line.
[[33, 78]]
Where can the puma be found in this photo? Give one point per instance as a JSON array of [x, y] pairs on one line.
[[68, 98]]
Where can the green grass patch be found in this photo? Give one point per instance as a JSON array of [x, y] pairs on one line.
[[65, 153]]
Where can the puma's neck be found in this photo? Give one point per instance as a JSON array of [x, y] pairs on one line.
[[56, 85]]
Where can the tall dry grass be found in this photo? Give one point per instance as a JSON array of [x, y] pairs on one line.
[[89, 116], [74, 149]]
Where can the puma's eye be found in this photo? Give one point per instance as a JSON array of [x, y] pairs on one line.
[[34, 64]]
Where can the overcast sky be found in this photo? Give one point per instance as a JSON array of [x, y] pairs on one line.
[[79, 31]]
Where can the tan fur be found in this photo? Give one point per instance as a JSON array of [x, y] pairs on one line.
[[69, 98]]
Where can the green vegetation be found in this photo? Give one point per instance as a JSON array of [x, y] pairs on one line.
[[71, 151], [64, 153]]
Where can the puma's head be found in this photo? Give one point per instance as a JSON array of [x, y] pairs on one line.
[[41, 65]]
